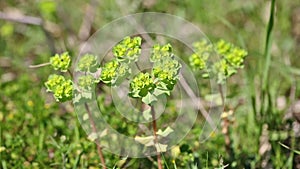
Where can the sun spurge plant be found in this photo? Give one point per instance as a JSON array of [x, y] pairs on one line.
[[147, 86], [232, 59]]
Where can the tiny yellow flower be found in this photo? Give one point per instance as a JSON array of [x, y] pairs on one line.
[[30, 103], [47, 106], [1, 116], [2, 149]]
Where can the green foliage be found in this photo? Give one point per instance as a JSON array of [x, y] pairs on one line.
[[231, 59], [61, 62]]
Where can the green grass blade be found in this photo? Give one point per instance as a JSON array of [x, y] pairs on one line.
[[285, 146], [268, 45]]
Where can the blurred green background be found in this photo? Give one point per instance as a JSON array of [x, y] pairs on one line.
[[37, 132]]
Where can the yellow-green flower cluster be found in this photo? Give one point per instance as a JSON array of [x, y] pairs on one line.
[[61, 88], [166, 71], [223, 70], [161, 52], [87, 63], [86, 81], [141, 85], [54, 81], [165, 67], [61, 62], [113, 71], [232, 58], [128, 49], [202, 51], [233, 55]]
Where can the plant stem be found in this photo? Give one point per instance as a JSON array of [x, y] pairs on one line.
[[39, 65], [222, 95], [155, 137], [99, 149]]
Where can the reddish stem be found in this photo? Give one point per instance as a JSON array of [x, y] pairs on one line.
[[99, 149], [155, 137]]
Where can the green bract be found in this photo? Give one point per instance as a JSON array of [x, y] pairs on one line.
[[61, 62], [61, 88], [232, 58], [128, 49], [161, 52], [141, 85], [88, 63]]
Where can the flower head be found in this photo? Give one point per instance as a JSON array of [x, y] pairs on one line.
[[86, 81], [167, 71], [88, 63], [128, 49], [54, 81], [141, 85], [61, 62], [161, 52], [61, 88]]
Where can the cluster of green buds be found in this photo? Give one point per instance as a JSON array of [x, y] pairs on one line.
[[233, 55], [128, 49], [162, 79], [61, 88], [114, 72], [86, 81], [165, 66], [198, 60], [87, 68], [61, 62], [126, 52], [87, 63], [161, 52], [232, 58], [141, 85]]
